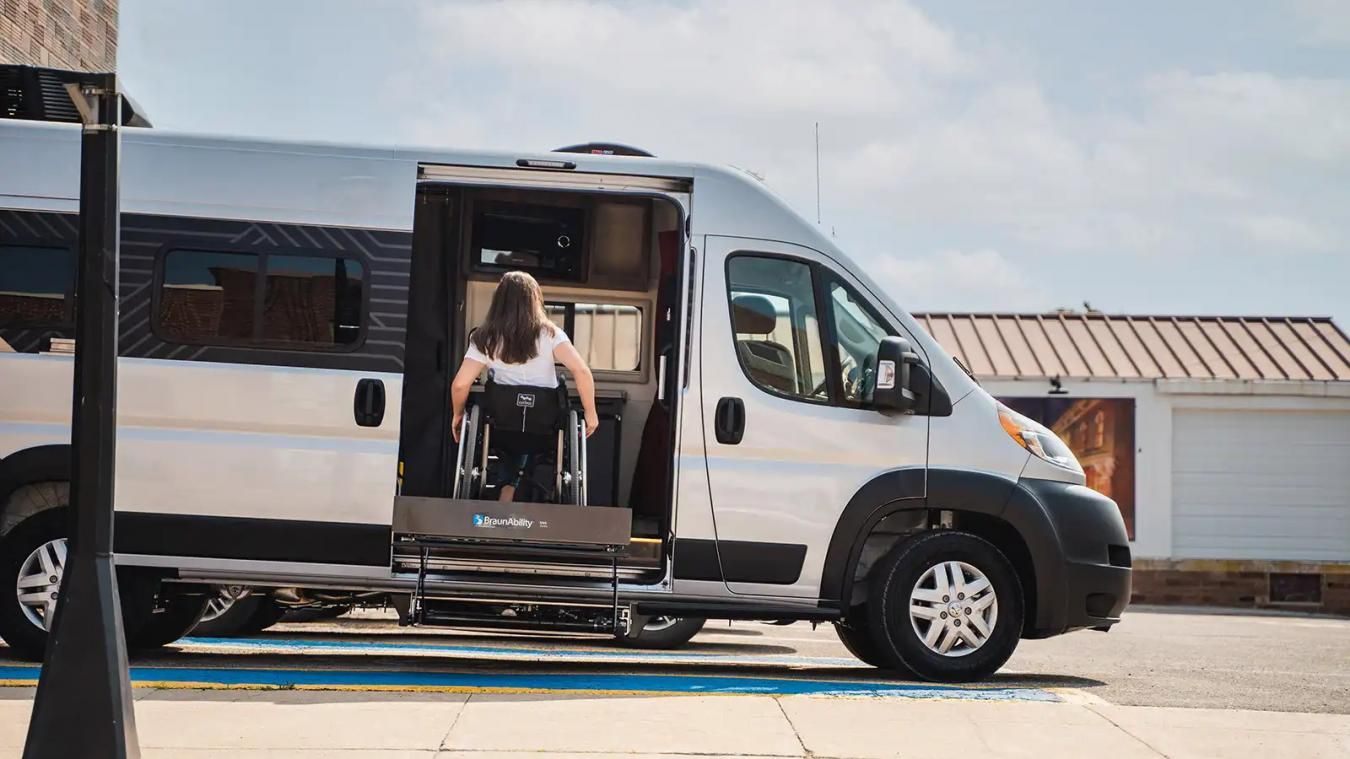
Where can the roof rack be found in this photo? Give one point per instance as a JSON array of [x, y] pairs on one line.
[[605, 148]]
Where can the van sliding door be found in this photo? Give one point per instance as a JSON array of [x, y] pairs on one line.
[[261, 379]]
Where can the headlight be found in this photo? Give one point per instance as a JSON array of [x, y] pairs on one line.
[[1035, 437]]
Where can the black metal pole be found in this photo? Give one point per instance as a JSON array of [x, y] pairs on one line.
[[83, 706]]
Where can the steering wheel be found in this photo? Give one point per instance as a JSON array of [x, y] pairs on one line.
[[868, 381]]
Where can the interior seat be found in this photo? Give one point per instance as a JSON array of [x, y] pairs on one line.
[[767, 361]]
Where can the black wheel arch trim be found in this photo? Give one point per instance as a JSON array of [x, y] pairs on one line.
[[43, 463], [958, 490]]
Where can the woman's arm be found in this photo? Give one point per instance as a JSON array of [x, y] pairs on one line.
[[459, 391], [567, 355]]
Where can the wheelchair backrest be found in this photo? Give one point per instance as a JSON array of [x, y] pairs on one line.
[[525, 408]]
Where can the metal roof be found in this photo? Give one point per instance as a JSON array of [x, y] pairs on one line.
[[1101, 346]]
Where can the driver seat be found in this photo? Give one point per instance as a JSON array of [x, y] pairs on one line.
[[766, 361]]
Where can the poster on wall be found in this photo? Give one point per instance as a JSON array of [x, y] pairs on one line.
[[1100, 432]]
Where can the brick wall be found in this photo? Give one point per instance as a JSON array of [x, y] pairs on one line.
[[1241, 584], [65, 34]]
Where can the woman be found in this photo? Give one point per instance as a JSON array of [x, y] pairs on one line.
[[519, 345]]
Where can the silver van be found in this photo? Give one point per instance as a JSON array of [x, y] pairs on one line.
[[779, 439]]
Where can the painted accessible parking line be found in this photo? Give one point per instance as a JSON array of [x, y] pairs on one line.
[[576, 684], [550, 653]]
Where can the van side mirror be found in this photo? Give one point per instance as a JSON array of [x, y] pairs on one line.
[[895, 356]]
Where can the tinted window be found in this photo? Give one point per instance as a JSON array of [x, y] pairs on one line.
[[859, 334], [36, 285], [312, 300], [208, 297], [299, 302], [773, 315]]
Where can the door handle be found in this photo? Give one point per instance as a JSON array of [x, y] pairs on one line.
[[368, 405], [729, 421]]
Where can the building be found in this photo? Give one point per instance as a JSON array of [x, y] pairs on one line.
[[1225, 440], [79, 35]]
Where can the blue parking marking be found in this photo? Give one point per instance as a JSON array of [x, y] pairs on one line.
[[592, 684], [275, 645]]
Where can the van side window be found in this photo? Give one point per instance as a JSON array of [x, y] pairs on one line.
[[773, 316], [312, 301], [263, 301], [37, 286], [858, 333]]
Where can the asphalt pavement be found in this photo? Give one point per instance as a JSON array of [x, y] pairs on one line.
[[1173, 683]]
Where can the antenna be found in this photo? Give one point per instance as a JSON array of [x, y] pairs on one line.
[[817, 172]]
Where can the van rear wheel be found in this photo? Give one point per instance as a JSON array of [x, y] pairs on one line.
[[947, 606], [662, 632], [177, 611], [32, 565]]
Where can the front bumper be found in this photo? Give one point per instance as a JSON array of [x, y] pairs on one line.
[[1080, 553]]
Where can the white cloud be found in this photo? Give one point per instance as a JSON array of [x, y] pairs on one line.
[[763, 56], [1282, 233], [960, 281], [1325, 21], [928, 143]]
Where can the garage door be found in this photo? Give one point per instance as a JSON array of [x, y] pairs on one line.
[[1261, 485]]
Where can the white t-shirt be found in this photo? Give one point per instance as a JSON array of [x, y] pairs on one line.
[[537, 372]]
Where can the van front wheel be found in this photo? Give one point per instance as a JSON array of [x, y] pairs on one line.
[[854, 633], [947, 606]]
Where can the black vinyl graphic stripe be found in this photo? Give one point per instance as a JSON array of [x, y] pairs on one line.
[[740, 561], [252, 539], [385, 258]]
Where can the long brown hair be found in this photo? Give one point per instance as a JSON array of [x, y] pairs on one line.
[[510, 333]]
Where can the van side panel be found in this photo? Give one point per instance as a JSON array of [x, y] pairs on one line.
[[224, 449]]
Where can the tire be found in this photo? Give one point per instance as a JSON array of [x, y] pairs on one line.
[[921, 573], [177, 613], [26, 633], [26, 639], [267, 614], [663, 633], [857, 638], [573, 454], [230, 619], [470, 486]]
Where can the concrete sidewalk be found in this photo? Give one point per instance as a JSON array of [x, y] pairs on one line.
[[189, 724]]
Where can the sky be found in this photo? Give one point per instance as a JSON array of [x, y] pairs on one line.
[[986, 155]]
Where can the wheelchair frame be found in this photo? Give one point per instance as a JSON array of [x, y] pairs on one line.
[[475, 446]]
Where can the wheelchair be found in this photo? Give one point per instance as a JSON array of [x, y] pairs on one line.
[[505, 422]]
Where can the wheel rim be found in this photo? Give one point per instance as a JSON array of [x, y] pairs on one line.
[[953, 608], [224, 598], [657, 624], [39, 582]]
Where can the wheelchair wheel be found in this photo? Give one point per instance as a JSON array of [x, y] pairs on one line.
[[581, 468], [574, 493], [465, 471]]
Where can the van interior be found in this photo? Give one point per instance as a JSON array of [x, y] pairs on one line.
[[610, 266]]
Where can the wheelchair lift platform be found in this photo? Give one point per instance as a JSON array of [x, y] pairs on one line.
[[425, 527]]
